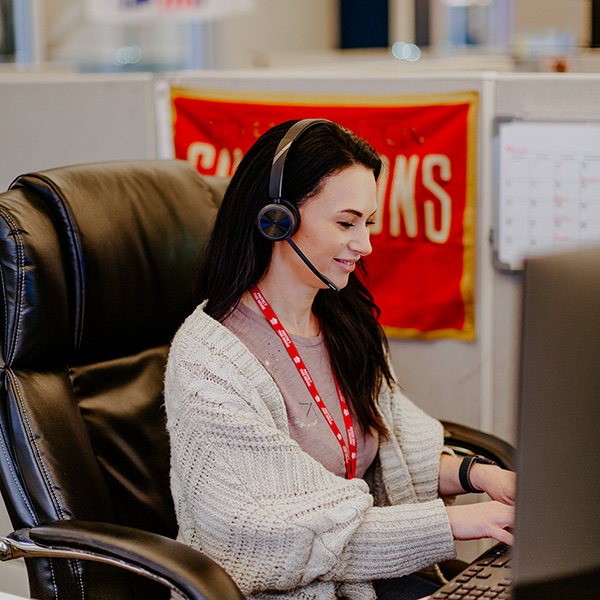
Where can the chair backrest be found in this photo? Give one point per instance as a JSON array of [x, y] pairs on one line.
[[96, 266]]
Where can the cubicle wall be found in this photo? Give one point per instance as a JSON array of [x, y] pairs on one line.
[[56, 120], [53, 121], [523, 96]]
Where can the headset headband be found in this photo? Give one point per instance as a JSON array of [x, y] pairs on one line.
[[276, 180]]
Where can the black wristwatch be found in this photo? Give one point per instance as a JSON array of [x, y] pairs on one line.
[[464, 472]]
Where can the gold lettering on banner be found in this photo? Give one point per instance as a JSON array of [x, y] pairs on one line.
[[223, 163], [402, 202], [202, 155], [204, 158], [402, 199], [441, 235], [402, 196]]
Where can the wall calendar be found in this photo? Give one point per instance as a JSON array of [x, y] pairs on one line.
[[548, 188]]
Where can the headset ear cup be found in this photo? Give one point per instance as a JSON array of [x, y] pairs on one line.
[[278, 221]]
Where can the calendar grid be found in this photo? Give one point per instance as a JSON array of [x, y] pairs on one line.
[[549, 189]]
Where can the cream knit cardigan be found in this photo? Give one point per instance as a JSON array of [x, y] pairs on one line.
[[274, 518]]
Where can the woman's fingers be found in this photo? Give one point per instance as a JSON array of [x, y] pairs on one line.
[[482, 520], [503, 535]]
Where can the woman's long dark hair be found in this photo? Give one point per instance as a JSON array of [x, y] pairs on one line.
[[237, 257]]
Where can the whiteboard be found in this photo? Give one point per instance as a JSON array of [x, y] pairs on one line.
[[548, 188]]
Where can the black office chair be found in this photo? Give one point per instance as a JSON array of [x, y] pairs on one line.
[[96, 265]]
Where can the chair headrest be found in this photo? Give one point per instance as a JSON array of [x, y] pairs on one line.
[[109, 250]]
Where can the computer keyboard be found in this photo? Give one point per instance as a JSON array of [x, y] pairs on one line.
[[486, 577]]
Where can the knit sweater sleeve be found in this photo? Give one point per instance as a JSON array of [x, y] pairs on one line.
[[249, 497], [421, 440]]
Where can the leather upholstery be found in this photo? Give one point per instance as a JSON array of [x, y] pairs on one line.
[[96, 267]]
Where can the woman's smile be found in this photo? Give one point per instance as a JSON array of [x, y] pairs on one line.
[[349, 265]]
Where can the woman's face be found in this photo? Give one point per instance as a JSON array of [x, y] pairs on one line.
[[334, 227]]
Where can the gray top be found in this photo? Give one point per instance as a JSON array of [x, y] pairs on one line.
[[307, 424]]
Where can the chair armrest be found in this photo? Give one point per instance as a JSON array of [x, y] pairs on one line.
[[189, 572], [467, 440]]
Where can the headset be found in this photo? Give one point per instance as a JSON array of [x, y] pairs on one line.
[[279, 220]]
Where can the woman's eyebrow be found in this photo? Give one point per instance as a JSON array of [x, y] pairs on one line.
[[356, 212]]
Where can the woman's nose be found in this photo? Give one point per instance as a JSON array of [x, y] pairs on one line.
[[362, 241]]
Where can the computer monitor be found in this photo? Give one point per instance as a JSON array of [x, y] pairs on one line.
[[557, 530]]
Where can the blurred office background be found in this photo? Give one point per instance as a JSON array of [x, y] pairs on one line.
[[525, 35], [79, 89]]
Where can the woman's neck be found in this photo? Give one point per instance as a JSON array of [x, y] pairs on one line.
[[294, 310]]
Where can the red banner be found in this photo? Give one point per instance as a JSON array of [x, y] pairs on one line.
[[421, 268]]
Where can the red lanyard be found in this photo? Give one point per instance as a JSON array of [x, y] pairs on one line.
[[349, 454]]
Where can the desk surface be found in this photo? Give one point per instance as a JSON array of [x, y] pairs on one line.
[[5, 596]]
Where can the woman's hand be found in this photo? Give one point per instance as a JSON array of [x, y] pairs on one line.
[[482, 520], [499, 484]]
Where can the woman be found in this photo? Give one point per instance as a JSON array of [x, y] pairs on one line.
[[297, 463]]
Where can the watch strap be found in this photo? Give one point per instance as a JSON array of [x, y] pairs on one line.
[[464, 472]]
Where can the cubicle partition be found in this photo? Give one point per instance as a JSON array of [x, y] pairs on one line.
[[523, 96], [49, 121], [54, 120]]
